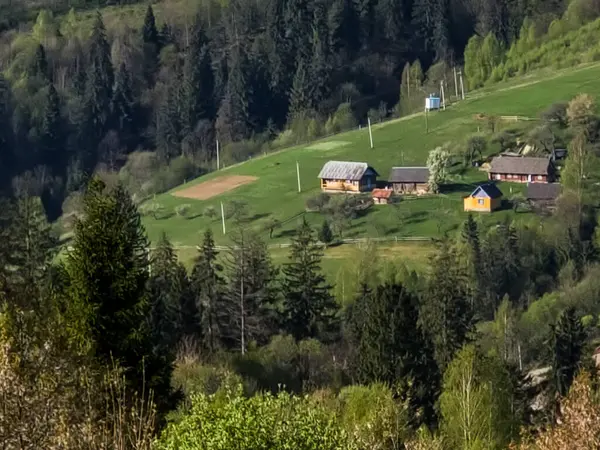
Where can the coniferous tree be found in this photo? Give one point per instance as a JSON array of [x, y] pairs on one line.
[[168, 288], [325, 234], [208, 292], [168, 127], [445, 313], [308, 307], [320, 69], [343, 22], [123, 106], [52, 134], [151, 41], [108, 274], [470, 236], [365, 11], [6, 133], [249, 291], [568, 338], [198, 81], [391, 347], [40, 64], [300, 95], [233, 123]]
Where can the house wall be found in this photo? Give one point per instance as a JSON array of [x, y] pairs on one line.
[[367, 183], [340, 185], [514, 178], [403, 188], [482, 204]]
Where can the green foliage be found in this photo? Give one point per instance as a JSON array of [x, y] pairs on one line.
[[308, 307], [325, 233], [476, 146], [344, 119], [232, 421], [568, 337], [437, 163]]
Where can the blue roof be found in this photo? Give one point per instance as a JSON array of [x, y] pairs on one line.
[[487, 190]]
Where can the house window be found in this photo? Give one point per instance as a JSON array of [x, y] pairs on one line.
[[480, 201]]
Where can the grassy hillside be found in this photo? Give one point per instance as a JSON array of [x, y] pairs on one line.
[[401, 142]]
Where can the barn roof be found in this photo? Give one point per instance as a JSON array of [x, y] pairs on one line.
[[490, 190], [409, 175], [526, 165], [344, 170], [382, 193], [543, 191]]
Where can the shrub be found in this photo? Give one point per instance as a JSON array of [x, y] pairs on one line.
[[210, 212], [476, 145], [343, 118], [314, 130], [555, 113], [151, 209], [182, 210], [318, 202]]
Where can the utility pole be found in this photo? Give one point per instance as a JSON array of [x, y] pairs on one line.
[[370, 132], [455, 84], [298, 174], [223, 217], [218, 161], [443, 95], [462, 85]]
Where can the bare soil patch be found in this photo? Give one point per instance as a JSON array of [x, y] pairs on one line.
[[212, 188]]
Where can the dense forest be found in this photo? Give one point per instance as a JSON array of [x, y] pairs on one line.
[[77, 96]]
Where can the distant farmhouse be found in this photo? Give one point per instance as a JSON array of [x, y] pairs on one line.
[[409, 180], [343, 176], [543, 195], [521, 169], [486, 198]]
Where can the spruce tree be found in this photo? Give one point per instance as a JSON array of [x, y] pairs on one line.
[[325, 234], [108, 273], [6, 133], [168, 289], [208, 292], [233, 123], [53, 134], [40, 64], [568, 339], [168, 132], [320, 68], [445, 312], [300, 95], [343, 23], [470, 236], [123, 106], [308, 307], [151, 42], [249, 292], [198, 81], [391, 347]]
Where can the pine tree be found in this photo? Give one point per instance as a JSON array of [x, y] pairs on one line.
[[298, 18], [389, 20], [151, 41], [208, 289], [53, 134], [430, 20], [108, 272], [233, 123], [308, 307], [6, 134], [320, 68], [365, 11], [568, 339], [123, 106], [168, 127], [445, 313], [249, 291], [40, 64], [300, 96], [343, 22], [325, 234], [392, 348], [168, 289], [198, 81], [470, 236]]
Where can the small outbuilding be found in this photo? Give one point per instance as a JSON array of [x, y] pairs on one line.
[[543, 194], [409, 180], [382, 196], [525, 169], [432, 102], [345, 176], [485, 198]]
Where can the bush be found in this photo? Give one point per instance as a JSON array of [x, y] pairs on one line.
[[556, 113], [210, 212], [182, 210], [151, 209], [344, 119], [318, 202]]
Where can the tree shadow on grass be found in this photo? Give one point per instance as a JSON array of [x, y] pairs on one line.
[[456, 187], [416, 217], [257, 217]]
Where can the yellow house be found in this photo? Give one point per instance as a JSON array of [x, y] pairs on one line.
[[486, 198], [345, 176]]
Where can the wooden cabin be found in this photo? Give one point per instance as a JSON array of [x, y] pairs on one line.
[[409, 180], [486, 198], [382, 196], [350, 177], [543, 195], [524, 169]]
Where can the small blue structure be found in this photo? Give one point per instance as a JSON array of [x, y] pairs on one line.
[[432, 102]]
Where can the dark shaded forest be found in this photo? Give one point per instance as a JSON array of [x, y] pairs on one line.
[[77, 97]]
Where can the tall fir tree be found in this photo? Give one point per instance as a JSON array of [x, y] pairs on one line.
[[391, 347], [233, 123], [308, 306], [568, 339], [40, 64], [300, 95], [151, 41], [445, 312], [7, 158], [430, 19], [168, 126], [108, 275], [53, 131], [320, 66], [208, 288], [249, 292], [365, 11], [343, 22], [168, 288], [198, 81], [470, 238], [124, 109]]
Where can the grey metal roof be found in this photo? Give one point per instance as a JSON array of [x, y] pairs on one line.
[[491, 190], [543, 191], [409, 175], [344, 170], [526, 165]]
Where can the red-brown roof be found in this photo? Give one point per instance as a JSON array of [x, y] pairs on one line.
[[382, 193]]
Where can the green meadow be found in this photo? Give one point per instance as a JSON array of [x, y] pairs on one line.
[[401, 142]]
